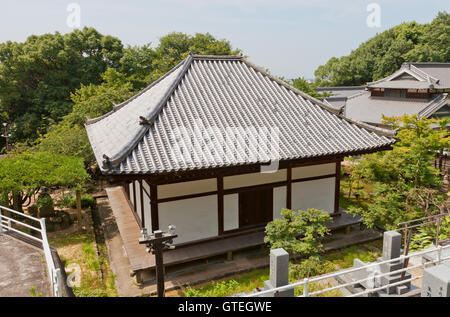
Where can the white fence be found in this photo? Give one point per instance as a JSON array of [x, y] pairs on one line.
[[10, 224], [374, 277]]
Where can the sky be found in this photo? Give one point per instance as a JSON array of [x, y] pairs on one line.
[[291, 38]]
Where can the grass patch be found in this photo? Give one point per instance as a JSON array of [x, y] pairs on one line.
[[330, 262], [78, 248]]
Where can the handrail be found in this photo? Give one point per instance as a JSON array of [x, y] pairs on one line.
[[6, 225], [307, 281]]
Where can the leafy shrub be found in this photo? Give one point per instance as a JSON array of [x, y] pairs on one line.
[[44, 201], [310, 267], [298, 232], [221, 289], [64, 201], [87, 201], [426, 235]]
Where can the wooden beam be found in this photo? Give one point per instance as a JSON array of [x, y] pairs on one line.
[[134, 196], [154, 206], [220, 204], [337, 187], [289, 188]]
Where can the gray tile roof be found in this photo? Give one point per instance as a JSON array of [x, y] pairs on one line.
[[422, 76], [194, 109], [363, 107]]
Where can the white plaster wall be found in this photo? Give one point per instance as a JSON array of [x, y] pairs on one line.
[[314, 194], [313, 170], [230, 212], [146, 186], [138, 199], [195, 218], [279, 201], [252, 179], [187, 188], [147, 213]]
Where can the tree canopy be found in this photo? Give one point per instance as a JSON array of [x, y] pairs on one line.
[[406, 185], [45, 77], [24, 175], [383, 54], [298, 232]]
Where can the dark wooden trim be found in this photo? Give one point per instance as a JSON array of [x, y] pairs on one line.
[[142, 203], [220, 205], [337, 188], [312, 178], [134, 196], [183, 176], [289, 188], [126, 186], [154, 207]]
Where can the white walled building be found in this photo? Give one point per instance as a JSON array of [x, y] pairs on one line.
[[218, 147]]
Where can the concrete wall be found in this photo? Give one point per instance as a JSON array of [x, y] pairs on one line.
[[195, 218]]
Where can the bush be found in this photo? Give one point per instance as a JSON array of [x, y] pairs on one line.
[[44, 201], [221, 289], [64, 201], [298, 232], [87, 201], [310, 267]]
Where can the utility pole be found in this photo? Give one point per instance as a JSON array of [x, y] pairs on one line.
[[156, 243], [6, 135]]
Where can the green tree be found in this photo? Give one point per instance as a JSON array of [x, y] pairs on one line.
[[38, 75], [69, 137], [298, 232], [406, 185], [24, 175], [384, 53]]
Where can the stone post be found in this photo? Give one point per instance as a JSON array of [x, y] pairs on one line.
[[436, 281], [392, 242], [279, 272]]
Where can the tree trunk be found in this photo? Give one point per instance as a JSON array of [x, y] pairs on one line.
[[78, 196]]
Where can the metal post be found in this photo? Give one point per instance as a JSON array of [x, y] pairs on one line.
[[438, 224], [439, 255], [305, 287], [43, 230]]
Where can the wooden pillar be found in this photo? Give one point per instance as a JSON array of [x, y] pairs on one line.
[[141, 192], [289, 187], [337, 187], [134, 196], [220, 205], [154, 207]]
